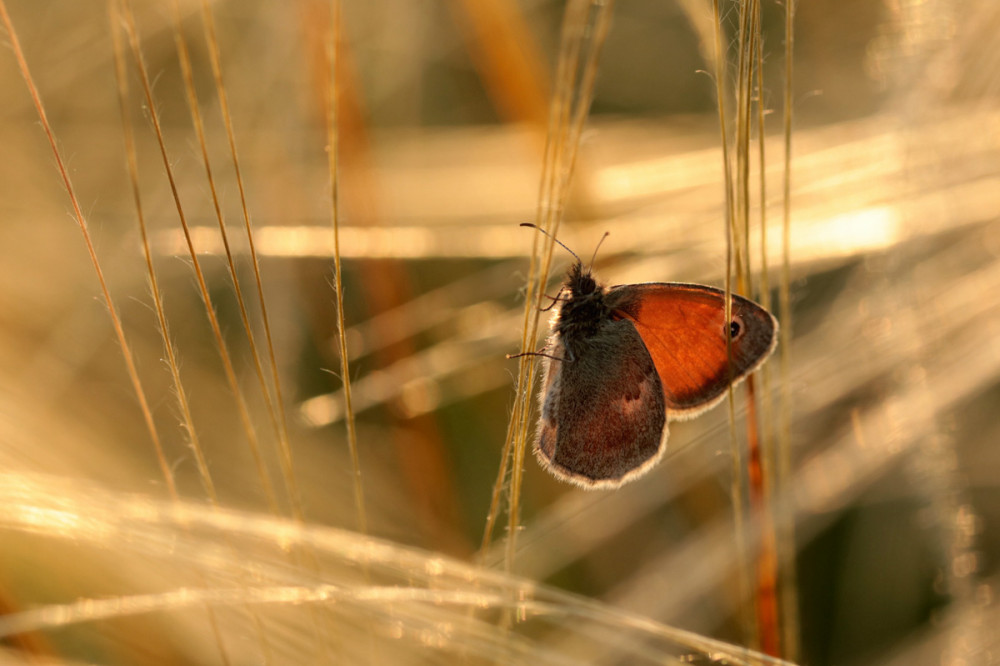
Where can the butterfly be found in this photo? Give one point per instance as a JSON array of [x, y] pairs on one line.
[[622, 361]]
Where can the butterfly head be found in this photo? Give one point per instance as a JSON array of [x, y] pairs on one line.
[[580, 282], [584, 308]]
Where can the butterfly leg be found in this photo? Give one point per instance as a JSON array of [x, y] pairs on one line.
[[568, 359], [555, 299]]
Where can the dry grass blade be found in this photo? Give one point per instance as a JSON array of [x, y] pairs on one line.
[[737, 489], [885, 502], [332, 133], [278, 405], [116, 322], [277, 421], [248, 427], [168, 345], [783, 456], [585, 26], [403, 591], [283, 439]]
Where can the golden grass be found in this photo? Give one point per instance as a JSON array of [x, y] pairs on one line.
[[139, 520]]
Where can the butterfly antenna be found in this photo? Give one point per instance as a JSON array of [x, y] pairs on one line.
[[606, 234], [529, 224]]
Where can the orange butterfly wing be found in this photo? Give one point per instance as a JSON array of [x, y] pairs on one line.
[[683, 326]]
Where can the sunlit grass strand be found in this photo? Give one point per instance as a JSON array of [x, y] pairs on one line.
[[227, 363], [116, 322], [332, 134], [277, 405], [783, 473]]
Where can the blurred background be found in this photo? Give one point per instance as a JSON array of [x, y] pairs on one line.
[[243, 542]]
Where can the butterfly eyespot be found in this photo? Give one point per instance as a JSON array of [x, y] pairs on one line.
[[735, 328]]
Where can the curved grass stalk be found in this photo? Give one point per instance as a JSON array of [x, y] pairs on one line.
[[194, 442], [276, 407], [585, 27], [229, 369], [81, 221], [281, 434]]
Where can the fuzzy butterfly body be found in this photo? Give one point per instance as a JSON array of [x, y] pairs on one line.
[[624, 360]]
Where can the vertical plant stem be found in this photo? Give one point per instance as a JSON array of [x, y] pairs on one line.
[[592, 20], [538, 269], [584, 30], [767, 563], [786, 529], [332, 138], [736, 490], [749, 71]]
